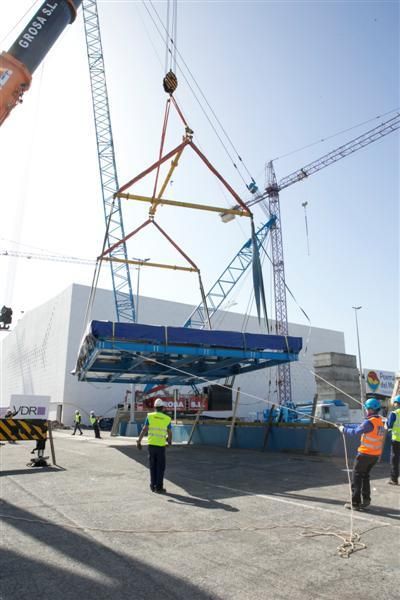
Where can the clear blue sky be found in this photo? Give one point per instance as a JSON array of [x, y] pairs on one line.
[[279, 75]]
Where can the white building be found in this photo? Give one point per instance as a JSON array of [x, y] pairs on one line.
[[40, 351]]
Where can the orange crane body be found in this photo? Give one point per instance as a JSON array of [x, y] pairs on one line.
[[29, 49]]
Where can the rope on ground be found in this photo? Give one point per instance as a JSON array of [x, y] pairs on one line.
[[350, 544]]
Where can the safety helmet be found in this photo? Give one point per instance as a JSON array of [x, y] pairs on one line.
[[92, 412], [372, 404], [158, 403], [77, 412], [396, 399]]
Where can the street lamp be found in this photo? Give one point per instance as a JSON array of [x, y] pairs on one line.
[[141, 262], [356, 308]]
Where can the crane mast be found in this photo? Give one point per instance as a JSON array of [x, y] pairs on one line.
[[121, 281], [278, 266], [272, 194]]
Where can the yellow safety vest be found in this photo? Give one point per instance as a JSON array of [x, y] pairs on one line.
[[396, 427], [93, 420], [77, 418], [158, 427]]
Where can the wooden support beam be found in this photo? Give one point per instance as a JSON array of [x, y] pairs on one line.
[[268, 427], [235, 407], [196, 422], [309, 437]]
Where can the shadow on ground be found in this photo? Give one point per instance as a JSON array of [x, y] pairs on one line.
[[210, 474], [92, 571]]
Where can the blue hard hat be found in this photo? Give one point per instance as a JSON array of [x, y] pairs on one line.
[[373, 404], [396, 399]]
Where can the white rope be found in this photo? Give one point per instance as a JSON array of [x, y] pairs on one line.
[[351, 541], [350, 544]]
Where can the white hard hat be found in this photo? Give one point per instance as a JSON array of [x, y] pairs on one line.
[[158, 403], [92, 412], [76, 412]]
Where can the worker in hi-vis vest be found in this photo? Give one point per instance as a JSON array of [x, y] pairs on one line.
[[393, 426], [372, 439], [77, 421], [158, 428], [94, 421]]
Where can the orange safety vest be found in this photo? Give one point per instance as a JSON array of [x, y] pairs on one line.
[[372, 442]]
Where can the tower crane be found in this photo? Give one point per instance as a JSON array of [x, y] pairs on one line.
[[16, 68], [52, 257], [226, 282]]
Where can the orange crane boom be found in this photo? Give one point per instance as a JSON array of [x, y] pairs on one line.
[[18, 64]]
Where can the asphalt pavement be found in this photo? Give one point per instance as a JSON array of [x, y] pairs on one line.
[[234, 525]]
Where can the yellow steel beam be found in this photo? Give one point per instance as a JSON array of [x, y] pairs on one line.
[[240, 212], [149, 264], [174, 164]]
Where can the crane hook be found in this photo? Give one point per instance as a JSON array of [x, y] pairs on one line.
[[170, 82]]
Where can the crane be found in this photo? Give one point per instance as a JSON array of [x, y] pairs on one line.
[[27, 52], [52, 257], [121, 280], [16, 69], [226, 282]]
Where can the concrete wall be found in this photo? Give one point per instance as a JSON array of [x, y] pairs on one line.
[[340, 370], [40, 352]]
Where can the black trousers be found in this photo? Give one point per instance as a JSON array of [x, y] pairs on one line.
[[96, 430], [360, 485], [394, 461], [157, 466], [77, 426]]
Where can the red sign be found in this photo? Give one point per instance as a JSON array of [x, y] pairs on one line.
[[185, 403]]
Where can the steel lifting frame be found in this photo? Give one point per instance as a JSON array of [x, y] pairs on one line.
[[121, 280]]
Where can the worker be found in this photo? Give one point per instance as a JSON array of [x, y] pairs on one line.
[[158, 428], [94, 421], [393, 425], [372, 439], [77, 420]]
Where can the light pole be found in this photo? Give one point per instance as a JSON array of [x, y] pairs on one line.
[[356, 308], [141, 262]]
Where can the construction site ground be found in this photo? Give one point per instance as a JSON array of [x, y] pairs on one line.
[[232, 526]]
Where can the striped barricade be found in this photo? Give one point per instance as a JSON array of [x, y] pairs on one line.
[[19, 429]]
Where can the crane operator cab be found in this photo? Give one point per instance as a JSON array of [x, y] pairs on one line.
[[5, 317]]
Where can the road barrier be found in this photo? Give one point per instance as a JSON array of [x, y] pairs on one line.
[[12, 430]]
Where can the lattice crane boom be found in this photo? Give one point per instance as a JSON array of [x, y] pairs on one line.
[[121, 280], [271, 194], [330, 158], [51, 257]]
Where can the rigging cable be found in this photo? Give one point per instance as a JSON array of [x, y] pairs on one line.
[[176, 51], [351, 541], [336, 134], [18, 22]]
